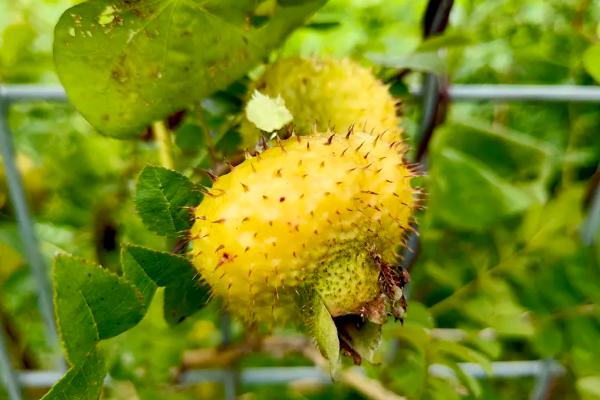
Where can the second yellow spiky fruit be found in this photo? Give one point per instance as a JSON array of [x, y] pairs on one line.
[[324, 94]]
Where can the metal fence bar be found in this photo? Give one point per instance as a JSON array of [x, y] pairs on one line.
[[38, 379], [229, 377], [568, 93], [502, 369], [25, 223], [544, 380], [282, 375], [18, 93], [7, 374], [457, 92], [259, 376], [591, 224]]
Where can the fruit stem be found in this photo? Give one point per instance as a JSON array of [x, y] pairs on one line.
[[165, 146]]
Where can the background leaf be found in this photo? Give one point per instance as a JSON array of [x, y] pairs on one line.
[[479, 176], [126, 64]]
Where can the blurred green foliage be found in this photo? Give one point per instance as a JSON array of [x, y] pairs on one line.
[[502, 273]]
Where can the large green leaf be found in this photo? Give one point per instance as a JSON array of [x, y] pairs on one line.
[[83, 381], [148, 269], [91, 304], [163, 198], [127, 63]]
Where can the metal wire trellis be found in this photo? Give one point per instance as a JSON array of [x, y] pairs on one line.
[[542, 370]]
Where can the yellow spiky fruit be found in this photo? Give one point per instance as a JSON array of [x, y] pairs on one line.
[[325, 94], [319, 216]]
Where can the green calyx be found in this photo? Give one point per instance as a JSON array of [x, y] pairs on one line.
[[351, 324]]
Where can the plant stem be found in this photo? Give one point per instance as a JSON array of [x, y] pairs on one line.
[[165, 146]]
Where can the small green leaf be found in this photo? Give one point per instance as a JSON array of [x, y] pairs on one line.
[[91, 304], [268, 114], [126, 64], [148, 269], [591, 61], [83, 381], [163, 199], [325, 333]]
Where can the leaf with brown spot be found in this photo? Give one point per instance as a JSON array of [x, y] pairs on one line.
[[126, 64]]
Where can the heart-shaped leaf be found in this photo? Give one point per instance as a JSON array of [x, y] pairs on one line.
[[91, 304]]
